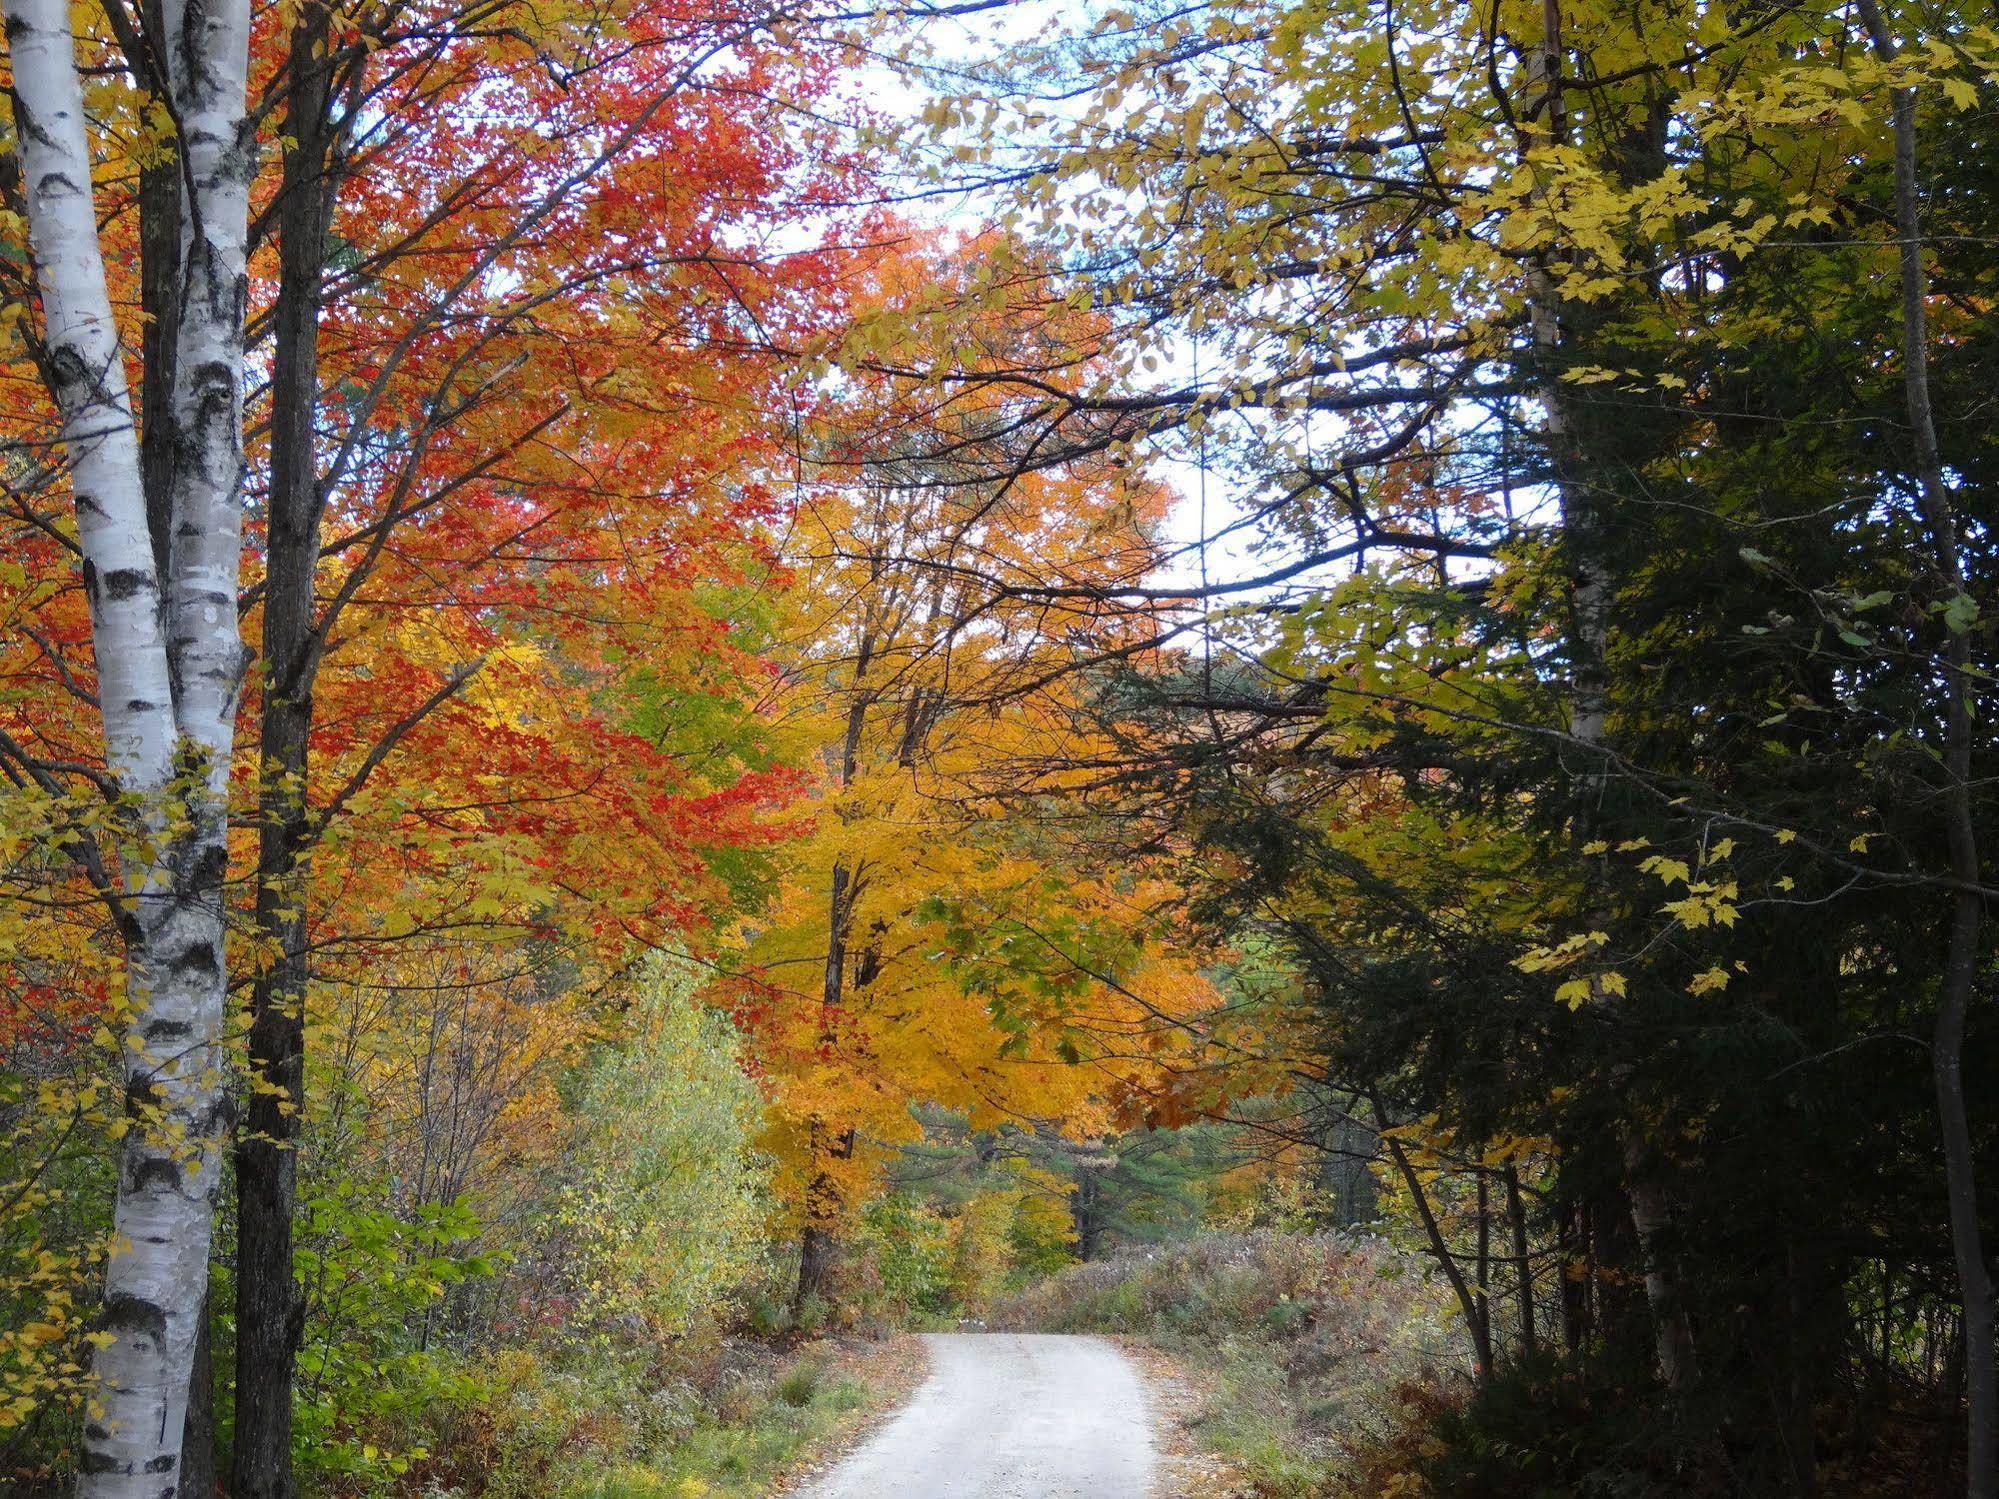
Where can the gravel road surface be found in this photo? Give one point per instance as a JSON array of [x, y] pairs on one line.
[[1009, 1416]]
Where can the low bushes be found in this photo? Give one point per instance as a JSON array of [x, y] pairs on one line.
[[719, 1421]]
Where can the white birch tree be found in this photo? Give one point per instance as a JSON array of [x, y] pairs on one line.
[[170, 662]]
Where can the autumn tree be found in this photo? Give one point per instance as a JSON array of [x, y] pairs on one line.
[[470, 430], [927, 945]]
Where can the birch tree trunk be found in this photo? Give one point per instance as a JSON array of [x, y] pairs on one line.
[[208, 55], [169, 662]]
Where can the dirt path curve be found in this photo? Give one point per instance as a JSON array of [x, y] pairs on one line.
[[1009, 1416]]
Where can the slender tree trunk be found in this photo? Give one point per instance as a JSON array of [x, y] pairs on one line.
[[159, 300], [197, 1464], [1950, 1395], [822, 1198], [207, 51], [1572, 1250], [1484, 1275], [1083, 1211], [1967, 907], [269, 1311], [1516, 1217], [1440, 1250]]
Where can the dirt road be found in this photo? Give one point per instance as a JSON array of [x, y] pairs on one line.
[[1009, 1416]]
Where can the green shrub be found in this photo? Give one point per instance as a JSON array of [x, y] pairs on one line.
[[909, 1245], [766, 1313], [379, 1282], [799, 1386], [1287, 1318], [663, 1216], [813, 1314]]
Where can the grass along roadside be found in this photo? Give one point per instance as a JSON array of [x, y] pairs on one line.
[[1180, 1395], [765, 1418], [828, 1395]]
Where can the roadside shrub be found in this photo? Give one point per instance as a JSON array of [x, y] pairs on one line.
[[909, 1245], [665, 1211], [716, 1417], [375, 1351], [1339, 1294], [800, 1385]]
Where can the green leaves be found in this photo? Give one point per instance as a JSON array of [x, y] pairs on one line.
[[667, 1194], [376, 1276]]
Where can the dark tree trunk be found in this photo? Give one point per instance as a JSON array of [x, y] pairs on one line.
[[819, 1240], [1573, 1262], [197, 1451], [1484, 1262], [1964, 940], [1805, 1287], [818, 1252], [1440, 1250], [159, 299], [1523, 1263], [1619, 1319], [140, 32], [1084, 1207], [269, 1312], [1347, 1151]]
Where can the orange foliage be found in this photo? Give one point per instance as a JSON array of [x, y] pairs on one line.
[[936, 938]]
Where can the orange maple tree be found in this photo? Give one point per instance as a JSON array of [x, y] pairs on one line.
[[935, 939]]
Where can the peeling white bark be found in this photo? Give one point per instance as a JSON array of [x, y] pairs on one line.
[[207, 49], [98, 431], [169, 659]]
